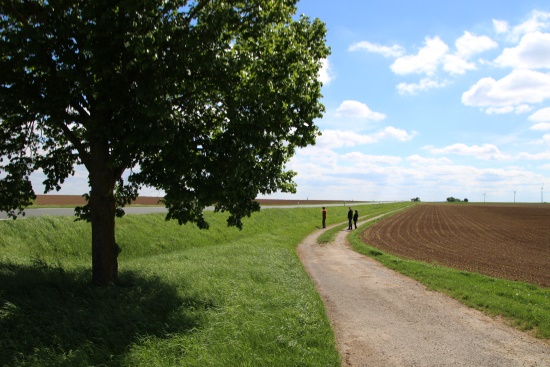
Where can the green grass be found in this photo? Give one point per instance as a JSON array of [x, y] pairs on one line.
[[221, 297], [525, 306]]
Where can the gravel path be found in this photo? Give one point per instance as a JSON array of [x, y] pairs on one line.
[[382, 318]]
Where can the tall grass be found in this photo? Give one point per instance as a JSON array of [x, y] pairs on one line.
[[525, 306], [221, 297]]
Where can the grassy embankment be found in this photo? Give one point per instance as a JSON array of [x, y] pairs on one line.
[[220, 297], [525, 305]]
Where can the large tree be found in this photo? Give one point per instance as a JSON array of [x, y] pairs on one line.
[[205, 100]]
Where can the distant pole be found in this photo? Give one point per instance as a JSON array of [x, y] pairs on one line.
[[514, 196], [483, 197], [541, 195]]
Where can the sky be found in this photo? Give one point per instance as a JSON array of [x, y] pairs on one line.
[[431, 99], [427, 99]]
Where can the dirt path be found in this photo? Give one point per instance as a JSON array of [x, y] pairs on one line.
[[382, 318]]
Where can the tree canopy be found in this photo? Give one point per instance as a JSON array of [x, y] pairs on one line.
[[206, 100]]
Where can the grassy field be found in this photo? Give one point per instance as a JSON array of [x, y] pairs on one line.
[[220, 297], [523, 305]]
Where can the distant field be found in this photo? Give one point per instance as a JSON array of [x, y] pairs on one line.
[[510, 241], [61, 200]]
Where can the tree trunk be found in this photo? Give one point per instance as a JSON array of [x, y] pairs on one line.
[[102, 210]]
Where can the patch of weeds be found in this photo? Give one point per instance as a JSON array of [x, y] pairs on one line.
[[376, 253]]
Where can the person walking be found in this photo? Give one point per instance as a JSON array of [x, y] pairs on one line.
[[324, 215], [355, 217], [350, 218]]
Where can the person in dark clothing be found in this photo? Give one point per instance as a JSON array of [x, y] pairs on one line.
[[355, 217], [324, 214], [350, 218]]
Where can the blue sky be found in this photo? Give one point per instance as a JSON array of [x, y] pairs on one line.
[[431, 99], [426, 99]]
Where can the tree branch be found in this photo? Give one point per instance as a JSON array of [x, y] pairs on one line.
[[196, 10], [75, 141]]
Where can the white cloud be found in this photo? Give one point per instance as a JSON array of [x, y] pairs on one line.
[[416, 159], [484, 152], [386, 51], [541, 126], [535, 157], [501, 26], [334, 139], [545, 140], [394, 133], [542, 115], [457, 65], [424, 84], [470, 44], [538, 21], [518, 87], [523, 108], [371, 177], [435, 53], [363, 176], [508, 109], [314, 158], [425, 62], [76, 184], [326, 74], [355, 109], [362, 159], [467, 46], [533, 52], [500, 110]]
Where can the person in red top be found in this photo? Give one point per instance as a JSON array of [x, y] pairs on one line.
[[324, 212]]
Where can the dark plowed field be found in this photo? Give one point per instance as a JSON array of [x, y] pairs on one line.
[[505, 241]]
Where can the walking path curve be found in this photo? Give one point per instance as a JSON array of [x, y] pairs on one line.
[[382, 318]]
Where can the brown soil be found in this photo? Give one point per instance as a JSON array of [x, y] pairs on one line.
[[505, 241], [148, 200]]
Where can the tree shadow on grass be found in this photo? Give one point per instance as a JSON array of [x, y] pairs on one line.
[[52, 317]]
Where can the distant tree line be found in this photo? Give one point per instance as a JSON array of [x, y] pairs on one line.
[[417, 199], [456, 200]]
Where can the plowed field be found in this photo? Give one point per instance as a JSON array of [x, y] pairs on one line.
[[505, 241]]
